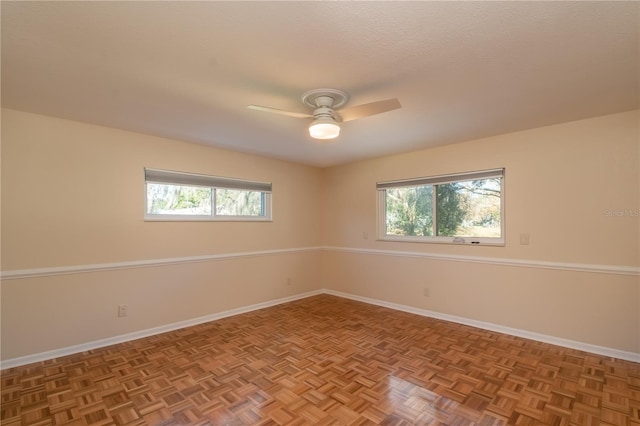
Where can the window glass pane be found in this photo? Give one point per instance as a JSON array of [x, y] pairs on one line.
[[235, 202], [464, 208], [469, 208], [178, 199], [450, 209], [409, 211]]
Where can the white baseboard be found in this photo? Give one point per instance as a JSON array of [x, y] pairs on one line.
[[70, 350], [572, 344]]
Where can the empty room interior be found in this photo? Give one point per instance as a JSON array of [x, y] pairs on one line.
[[331, 213]]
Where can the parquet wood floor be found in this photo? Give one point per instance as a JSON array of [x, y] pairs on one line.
[[325, 360]]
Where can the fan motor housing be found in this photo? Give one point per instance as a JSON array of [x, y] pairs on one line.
[[325, 112]]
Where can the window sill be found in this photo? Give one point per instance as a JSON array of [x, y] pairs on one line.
[[169, 218], [458, 241]]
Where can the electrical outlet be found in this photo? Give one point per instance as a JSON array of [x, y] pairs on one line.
[[123, 310], [288, 281], [425, 292], [524, 239]]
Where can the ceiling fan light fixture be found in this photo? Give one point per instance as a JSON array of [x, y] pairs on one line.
[[326, 117], [324, 128]]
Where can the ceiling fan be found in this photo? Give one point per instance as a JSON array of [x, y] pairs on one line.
[[326, 115]]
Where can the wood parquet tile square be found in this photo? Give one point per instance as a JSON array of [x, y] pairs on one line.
[[325, 360]]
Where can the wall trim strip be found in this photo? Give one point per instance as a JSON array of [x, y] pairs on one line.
[[572, 344], [79, 269], [96, 344], [523, 263]]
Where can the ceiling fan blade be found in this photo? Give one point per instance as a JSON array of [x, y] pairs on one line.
[[366, 110], [279, 111]]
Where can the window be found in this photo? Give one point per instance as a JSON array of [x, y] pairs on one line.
[[186, 196], [464, 208]]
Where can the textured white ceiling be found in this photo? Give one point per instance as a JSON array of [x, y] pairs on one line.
[[188, 70]]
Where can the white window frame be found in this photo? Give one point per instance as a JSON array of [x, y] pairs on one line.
[[435, 180], [168, 177]]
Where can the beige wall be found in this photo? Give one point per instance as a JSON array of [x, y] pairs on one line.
[[560, 183], [72, 194], [54, 312]]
